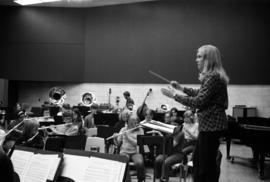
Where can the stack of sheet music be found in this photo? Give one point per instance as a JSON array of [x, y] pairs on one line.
[[159, 126], [33, 165], [94, 169]]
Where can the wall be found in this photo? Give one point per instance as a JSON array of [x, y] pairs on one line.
[[3, 92], [35, 93], [105, 47], [119, 44]]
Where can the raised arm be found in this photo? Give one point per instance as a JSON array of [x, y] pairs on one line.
[[205, 93], [191, 91], [188, 91]]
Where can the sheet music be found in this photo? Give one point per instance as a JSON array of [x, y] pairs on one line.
[[100, 170], [81, 169], [34, 167], [74, 166], [20, 160], [122, 172], [54, 166], [38, 168], [163, 124], [158, 127]]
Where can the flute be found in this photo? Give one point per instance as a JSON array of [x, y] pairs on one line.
[[119, 134], [30, 139], [48, 127], [12, 129]]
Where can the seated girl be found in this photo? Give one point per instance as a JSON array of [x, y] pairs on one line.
[[78, 120], [183, 143], [128, 142], [30, 136], [123, 118], [68, 129]]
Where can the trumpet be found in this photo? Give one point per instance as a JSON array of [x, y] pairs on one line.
[[119, 134]]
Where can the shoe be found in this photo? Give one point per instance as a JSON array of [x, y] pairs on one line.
[[162, 180]]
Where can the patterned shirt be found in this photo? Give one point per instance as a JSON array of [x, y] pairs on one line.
[[211, 100]]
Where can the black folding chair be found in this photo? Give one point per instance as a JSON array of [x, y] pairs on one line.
[[55, 143], [75, 142]]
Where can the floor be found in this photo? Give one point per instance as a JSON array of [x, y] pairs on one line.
[[239, 171]]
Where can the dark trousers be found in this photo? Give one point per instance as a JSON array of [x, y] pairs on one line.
[[169, 161], [183, 148], [139, 163], [205, 157]]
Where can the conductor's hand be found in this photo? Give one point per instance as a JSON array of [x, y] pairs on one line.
[[176, 85], [169, 92]]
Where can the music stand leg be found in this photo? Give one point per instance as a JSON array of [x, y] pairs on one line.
[[164, 157], [154, 174]]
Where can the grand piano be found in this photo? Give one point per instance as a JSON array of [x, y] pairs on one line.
[[253, 132]]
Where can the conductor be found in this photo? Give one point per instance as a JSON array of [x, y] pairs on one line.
[[211, 101]]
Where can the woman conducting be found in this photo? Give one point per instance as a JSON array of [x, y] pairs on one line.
[[211, 101]]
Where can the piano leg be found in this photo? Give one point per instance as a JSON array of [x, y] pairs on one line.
[[259, 158], [228, 147], [261, 165], [255, 157]]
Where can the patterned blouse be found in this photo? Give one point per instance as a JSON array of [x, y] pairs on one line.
[[210, 100]]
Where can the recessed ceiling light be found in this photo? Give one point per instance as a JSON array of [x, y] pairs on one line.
[[29, 2]]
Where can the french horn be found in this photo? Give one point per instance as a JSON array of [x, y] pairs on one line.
[[88, 99], [57, 95]]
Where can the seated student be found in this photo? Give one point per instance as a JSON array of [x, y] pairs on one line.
[[167, 118], [69, 129], [11, 138], [7, 173], [128, 142], [175, 118], [2, 139], [149, 114], [46, 111], [20, 116], [123, 118], [31, 136], [190, 132], [89, 119], [129, 101], [18, 107], [3, 121], [77, 119], [183, 143], [65, 107]]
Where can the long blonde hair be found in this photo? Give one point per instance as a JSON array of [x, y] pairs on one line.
[[212, 63], [126, 113], [30, 127]]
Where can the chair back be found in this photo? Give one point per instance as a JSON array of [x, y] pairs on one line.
[[154, 143], [95, 142], [104, 131], [91, 132], [75, 142], [55, 143]]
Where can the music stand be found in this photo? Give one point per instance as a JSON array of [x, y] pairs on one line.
[[37, 111], [162, 145], [54, 110], [159, 116], [106, 119], [84, 110]]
